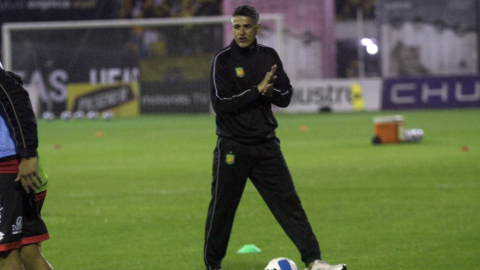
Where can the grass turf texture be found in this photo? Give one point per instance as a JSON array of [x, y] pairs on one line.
[[132, 193]]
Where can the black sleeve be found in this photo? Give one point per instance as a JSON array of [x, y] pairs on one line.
[[226, 98], [15, 101], [283, 91]]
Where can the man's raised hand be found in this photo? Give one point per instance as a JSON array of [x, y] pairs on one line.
[[266, 86]]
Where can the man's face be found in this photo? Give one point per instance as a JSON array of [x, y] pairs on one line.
[[245, 31]]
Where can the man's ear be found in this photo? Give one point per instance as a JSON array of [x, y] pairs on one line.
[[259, 27]]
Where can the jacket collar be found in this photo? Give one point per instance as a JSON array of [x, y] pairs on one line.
[[243, 51]]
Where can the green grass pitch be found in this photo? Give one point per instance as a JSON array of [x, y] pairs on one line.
[[132, 193]]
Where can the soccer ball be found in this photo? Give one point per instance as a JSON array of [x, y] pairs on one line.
[[48, 116], [92, 115], [79, 115], [66, 115], [107, 115], [281, 264]]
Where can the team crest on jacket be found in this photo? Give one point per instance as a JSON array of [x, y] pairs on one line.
[[240, 72], [230, 159]]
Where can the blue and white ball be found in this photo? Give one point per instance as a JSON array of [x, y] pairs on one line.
[[66, 115], [92, 115], [48, 116], [281, 264], [79, 115], [107, 115], [413, 135]]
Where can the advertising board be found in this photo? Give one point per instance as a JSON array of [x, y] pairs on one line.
[[431, 92], [335, 95]]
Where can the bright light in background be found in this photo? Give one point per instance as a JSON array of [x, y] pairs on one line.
[[372, 48], [366, 41]]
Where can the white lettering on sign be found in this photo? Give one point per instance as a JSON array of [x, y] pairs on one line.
[[428, 92], [57, 79], [404, 93], [114, 75], [460, 96], [402, 87]]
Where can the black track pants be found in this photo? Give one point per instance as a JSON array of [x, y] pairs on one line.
[[264, 164]]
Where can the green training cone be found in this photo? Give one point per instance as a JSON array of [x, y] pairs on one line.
[[251, 248]]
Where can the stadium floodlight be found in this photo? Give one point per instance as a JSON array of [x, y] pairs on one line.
[[370, 45], [372, 49], [366, 41], [8, 28]]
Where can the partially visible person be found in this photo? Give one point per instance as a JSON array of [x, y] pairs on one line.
[[21, 227]]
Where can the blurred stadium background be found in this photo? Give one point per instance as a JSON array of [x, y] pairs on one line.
[[401, 54], [121, 189]]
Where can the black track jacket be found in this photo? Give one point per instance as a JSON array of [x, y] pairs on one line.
[[18, 115], [242, 113]]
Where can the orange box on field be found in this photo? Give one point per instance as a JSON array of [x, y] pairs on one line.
[[389, 129]]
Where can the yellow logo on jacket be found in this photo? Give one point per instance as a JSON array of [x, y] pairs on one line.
[[240, 72], [230, 159]]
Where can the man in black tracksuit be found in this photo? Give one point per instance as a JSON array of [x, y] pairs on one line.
[[246, 79]]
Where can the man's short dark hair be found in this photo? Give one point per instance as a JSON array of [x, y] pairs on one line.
[[247, 11]]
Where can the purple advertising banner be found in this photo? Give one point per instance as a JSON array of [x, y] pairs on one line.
[[431, 93]]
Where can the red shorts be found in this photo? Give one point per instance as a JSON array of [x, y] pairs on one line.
[[20, 220]]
